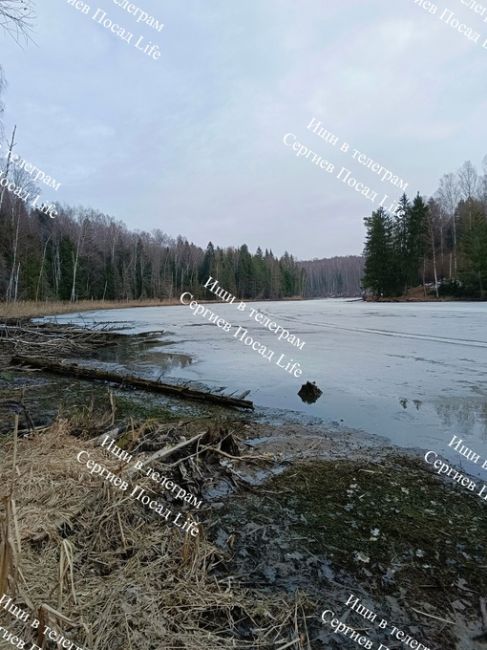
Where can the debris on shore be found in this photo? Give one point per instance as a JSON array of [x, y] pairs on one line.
[[295, 519], [44, 347], [87, 560]]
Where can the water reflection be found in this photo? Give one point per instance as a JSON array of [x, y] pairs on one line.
[[404, 403], [158, 364], [465, 415], [146, 357]]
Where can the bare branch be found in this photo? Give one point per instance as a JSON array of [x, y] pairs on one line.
[[16, 18], [3, 83]]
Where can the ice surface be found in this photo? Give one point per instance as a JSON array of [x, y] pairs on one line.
[[414, 372]]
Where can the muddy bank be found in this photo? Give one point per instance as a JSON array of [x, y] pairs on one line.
[[317, 514], [295, 520], [387, 531], [92, 560]]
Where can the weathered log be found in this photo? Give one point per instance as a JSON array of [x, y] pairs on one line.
[[96, 374]]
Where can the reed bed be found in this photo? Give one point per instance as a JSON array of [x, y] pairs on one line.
[[98, 567], [31, 309]]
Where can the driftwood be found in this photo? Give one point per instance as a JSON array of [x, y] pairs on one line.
[[166, 452], [95, 374]]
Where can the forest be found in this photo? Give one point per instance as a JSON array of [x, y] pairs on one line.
[[439, 243], [82, 253]]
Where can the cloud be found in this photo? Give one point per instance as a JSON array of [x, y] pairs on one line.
[[192, 143]]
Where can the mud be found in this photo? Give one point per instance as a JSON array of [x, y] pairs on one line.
[[329, 513]]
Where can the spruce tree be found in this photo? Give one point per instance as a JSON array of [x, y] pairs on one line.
[[208, 266], [244, 272], [401, 231], [379, 274], [416, 240], [473, 272]]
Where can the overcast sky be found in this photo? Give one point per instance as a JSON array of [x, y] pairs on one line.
[[193, 143]]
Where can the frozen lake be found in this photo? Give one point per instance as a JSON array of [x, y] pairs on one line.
[[413, 372]]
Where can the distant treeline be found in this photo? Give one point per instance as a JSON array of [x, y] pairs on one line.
[[82, 254], [333, 277], [440, 243]]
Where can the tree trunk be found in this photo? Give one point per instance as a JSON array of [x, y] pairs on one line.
[[96, 374], [11, 282], [433, 249], [16, 286], [42, 268], [75, 271], [7, 168], [76, 261], [424, 276], [454, 228]]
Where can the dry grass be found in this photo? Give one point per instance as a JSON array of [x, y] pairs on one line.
[[31, 309], [98, 566]]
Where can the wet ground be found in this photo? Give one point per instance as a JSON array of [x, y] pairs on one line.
[[336, 512], [374, 524]]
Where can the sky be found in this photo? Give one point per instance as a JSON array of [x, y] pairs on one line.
[[192, 143]]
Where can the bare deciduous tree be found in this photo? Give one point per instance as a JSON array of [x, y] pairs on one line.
[[7, 164], [23, 181], [468, 180], [83, 222], [16, 17], [449, 195]]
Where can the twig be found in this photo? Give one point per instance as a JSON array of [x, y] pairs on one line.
[[16, 431], [288, 644], [436, 618], [164, 453], [267, 457]]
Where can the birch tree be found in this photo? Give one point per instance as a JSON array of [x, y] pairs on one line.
[[76, 257], [7, 165], [23, 181]]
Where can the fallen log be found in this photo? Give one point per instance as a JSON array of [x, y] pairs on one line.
[[96, 374]]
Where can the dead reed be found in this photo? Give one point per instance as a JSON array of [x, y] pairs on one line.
[[31, 309], [98, 567]]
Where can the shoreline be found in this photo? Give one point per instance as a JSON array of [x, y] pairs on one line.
[[26, 310], [294, 490], [322, 483]]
